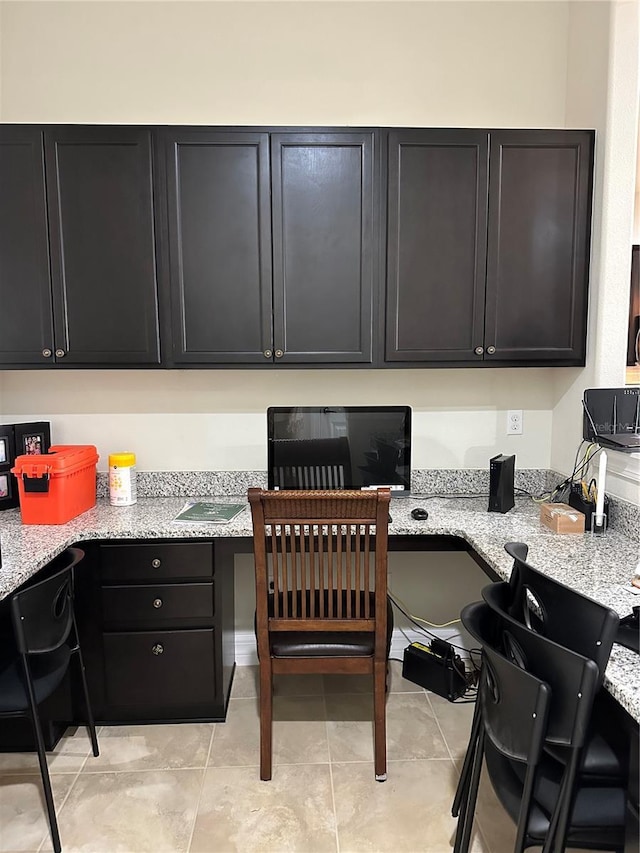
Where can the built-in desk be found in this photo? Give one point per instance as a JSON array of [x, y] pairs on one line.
[[600, 567]]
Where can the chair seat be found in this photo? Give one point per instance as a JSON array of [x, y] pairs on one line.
[[606, 755], [600, 809], [305, 644], [293, 644], [48, 670]]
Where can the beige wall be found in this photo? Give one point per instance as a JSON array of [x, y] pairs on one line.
[[603, 92], [452, 63], [449, 63], [215, 419]]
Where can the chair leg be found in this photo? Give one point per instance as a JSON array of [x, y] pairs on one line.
[[380, 719], [91, 726], [465, 775], [468, 806], [42, 760], [266, 719]]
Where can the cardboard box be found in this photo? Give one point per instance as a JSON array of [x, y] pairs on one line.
[[561, 518]]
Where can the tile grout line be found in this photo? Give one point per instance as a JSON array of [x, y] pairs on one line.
[[476, 818], [333, 794], [199, 799]]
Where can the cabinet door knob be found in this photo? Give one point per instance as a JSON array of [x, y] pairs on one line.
[[46, 353], [157, 603], [479, 350], [60, 353], [267, 353], [491, 350], [279, 353], [158, 649], [156, 563]]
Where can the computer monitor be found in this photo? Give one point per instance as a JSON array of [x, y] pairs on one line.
[[339, 447]]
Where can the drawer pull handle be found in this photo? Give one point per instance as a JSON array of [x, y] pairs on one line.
[[157, 649], [156, 563], [157, 603]]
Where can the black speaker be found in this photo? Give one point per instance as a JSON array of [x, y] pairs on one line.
[[501, 473]]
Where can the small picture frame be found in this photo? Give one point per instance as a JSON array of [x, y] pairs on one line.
[[32, 439], [7, 449], [6, 486], [32, 444]]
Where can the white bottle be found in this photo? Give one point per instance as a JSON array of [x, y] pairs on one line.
[[122, 479]]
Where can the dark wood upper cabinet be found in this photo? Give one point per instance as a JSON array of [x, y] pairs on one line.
[[293, 246], [219, 229], [488, 265], [26, 319], [101, 220], [436, 244], [538, 245], [323, 246], [238, 199]]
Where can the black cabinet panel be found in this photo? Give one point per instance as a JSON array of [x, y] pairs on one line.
[[323, 219], [159, 672], [102, 245], [538, 245], [219, 244], [26, 322], [156, 562], [177, 605], [436, 244]]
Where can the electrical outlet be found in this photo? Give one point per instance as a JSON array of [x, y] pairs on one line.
[[514, 422]]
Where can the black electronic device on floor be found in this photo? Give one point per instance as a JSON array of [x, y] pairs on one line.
[[435, 667], [501, 477]]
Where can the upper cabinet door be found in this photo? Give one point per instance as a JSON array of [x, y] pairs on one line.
[[102, 245], [436, 244], [323, 246], [538, 245], [219, 223], [26, 324]]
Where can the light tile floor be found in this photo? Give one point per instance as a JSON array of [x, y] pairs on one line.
[[195, 788]]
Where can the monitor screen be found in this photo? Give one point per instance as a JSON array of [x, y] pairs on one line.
[[339, 447]]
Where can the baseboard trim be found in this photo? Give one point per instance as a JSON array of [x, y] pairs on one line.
[[246, 642]]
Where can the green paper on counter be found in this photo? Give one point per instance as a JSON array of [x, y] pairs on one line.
[[209, 512]]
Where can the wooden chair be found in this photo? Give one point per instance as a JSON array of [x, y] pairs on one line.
[[321, 595]]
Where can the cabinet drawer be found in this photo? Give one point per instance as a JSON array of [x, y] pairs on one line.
[[163, 561], [157, 605], [155, 670]]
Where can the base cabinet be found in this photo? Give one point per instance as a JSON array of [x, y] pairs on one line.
[[163, 648]]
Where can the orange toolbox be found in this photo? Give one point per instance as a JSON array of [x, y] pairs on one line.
[[57, 486]]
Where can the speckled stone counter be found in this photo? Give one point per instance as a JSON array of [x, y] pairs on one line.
[[597, 566]]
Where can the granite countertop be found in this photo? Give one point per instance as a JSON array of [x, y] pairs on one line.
[[598, 566]]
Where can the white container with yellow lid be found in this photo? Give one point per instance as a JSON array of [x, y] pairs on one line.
[[122, 479]]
